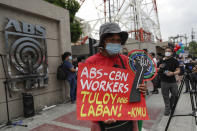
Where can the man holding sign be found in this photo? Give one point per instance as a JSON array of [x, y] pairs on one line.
[[110, 45]]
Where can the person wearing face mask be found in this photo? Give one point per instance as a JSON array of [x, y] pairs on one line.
[[155, 80], [110, 46], [71, 74], [167, 69]]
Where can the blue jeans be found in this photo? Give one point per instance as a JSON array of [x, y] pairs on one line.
[[73, 86]]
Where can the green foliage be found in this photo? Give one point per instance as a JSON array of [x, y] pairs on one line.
[[193, 48], [73, 6], [60, 3], [76, 31]]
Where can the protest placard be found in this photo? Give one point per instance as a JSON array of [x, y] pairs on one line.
[[103, 93]]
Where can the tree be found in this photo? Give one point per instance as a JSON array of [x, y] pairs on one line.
[[193, 48], [73, 6]]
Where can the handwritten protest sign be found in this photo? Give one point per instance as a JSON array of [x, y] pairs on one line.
[[103, 93]]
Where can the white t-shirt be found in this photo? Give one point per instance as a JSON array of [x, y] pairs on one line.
[[155, 60]]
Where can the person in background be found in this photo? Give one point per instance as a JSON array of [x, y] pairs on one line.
[[110, 45], [71, 75], [194, 77], [125, 51], [159, 60], [75, 62], [181, 65], [168, 68], [155, 80], [186, 61], [146, 51], [152, 54], [192, 70], [81, 59]]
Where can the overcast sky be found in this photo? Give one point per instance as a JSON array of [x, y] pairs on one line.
[[175, 16]]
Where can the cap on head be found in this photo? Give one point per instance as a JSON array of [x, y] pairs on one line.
[[112, 28]]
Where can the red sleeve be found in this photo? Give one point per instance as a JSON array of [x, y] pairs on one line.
[[91, 59]]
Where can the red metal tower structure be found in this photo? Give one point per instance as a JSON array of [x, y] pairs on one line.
[[138, 17]]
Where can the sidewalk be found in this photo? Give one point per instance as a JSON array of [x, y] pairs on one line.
[[60, 118], [63, 117], [158, 121], [180, 123]]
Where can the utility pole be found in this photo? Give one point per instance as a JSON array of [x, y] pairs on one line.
[[109, 12], [193, 35], [186, 40], [179, 38]]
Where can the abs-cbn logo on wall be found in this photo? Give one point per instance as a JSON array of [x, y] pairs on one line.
[[26, 52]]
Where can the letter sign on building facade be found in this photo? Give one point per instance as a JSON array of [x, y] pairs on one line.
[[26, 52]]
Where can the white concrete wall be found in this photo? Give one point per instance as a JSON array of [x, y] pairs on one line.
[[56, 22], [80, 50], [133, 44]]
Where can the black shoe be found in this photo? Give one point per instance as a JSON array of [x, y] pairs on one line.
[[186, 92], [66, 101], [73, 102], [167, 113], [155, 92]]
